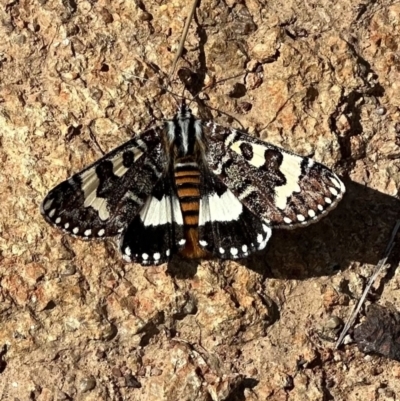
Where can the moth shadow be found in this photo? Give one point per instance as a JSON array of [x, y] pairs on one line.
[[182, 268], [357, 231]]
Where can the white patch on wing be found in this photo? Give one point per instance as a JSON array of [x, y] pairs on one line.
[[118, 166], [219, 208], [158, 212], [133, 197], [300, 217], [291, 169], [311, 213], [268, 233], [90, 183], [230, 138], [248, 191], [100, 204], [336, 182], [47, 204], [126, 258], [333, 191], [258, 158], [234, 251]]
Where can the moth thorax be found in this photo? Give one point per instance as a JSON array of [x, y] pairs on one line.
[[185, 135]]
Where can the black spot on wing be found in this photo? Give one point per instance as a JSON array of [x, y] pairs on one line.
[[128, 158], [273, 160], [104, 169], [247, 150], [107, 178]]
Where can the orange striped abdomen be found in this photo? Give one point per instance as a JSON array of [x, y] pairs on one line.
[[187, 181]]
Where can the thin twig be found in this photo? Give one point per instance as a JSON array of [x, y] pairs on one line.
[[183, 38], [371, 281]]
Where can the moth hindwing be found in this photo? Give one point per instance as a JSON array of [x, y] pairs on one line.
[[194, 188]]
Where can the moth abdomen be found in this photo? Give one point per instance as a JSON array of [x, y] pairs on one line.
[[187, 182]]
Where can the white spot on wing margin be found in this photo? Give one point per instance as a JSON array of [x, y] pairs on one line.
[[47, 205]]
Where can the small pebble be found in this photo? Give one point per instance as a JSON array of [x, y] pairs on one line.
[[87, 384], [145, 16], [333, 322], [347, 340], [61, 396], [69, 269], [132, 382], [381, 110], [116, 372]]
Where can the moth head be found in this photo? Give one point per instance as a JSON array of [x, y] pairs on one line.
[[184, 112]]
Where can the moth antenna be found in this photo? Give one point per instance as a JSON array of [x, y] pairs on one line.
[[213, 84], [174, 95], [183, 38]]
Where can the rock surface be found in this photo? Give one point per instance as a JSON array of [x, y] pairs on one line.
[[76, 322]]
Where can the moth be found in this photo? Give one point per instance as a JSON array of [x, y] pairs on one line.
[[195, 188]]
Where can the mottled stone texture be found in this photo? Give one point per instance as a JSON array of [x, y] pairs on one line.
[[320, 78]]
